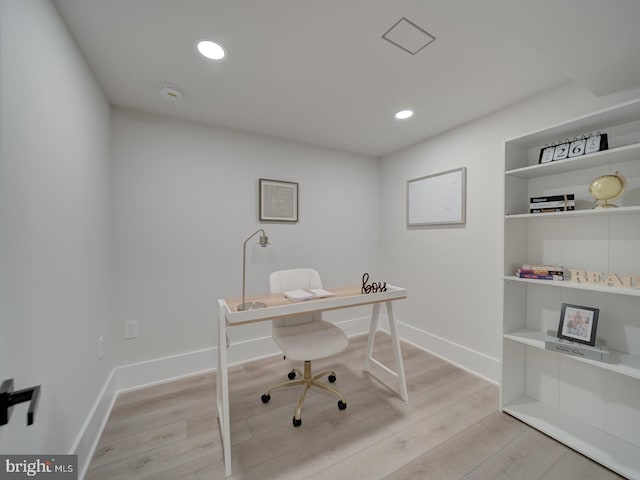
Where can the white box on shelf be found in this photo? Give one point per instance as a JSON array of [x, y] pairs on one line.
[[598, 352]]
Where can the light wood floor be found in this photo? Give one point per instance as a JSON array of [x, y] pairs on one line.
[[450, 428]]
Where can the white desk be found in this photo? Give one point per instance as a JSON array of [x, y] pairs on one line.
[[278, 307]]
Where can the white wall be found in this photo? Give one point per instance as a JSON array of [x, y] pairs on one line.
[[186, 198], [453, 275], [55, 227]]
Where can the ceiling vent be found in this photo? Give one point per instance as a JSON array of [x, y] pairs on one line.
[[408, 36]]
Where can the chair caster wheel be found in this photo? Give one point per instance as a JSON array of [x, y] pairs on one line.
[[341, 405], [332, 378], [265, 398], [291, 375], [297, 422]]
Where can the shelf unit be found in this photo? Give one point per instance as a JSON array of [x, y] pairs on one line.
[[593, 407]]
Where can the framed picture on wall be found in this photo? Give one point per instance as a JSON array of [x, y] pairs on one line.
[[278, 201], [438, 199], [578, 324]]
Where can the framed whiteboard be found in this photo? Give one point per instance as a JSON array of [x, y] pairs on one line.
[[438, 199]]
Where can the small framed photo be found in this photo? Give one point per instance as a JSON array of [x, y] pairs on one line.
[[578, 324], [278, 201]]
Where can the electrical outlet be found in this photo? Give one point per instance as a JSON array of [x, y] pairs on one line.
[[100, 347], [130, 329]]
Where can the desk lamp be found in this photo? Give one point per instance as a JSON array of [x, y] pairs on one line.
[[259, 255]]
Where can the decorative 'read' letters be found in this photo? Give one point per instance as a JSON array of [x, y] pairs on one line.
[[608, 279]]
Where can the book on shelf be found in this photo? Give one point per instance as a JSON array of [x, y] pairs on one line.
[[597, 352], [552, 203], [552, 210], [539, 276], [553, 198], [307, 294], [570, 203], [542, 267], [541, 272]]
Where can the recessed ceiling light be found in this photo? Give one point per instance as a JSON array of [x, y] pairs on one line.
[[211, 50], [404, 114]]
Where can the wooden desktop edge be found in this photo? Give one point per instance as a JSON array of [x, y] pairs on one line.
[[278, 306]]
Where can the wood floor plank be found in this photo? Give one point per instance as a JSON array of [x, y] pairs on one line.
[[118, 448], [396, 450], [574, 465], [278, 441], [400, 415], [477, 405], [528, 457], [450, 428], [460, 454], [318, 455], [206, 467], [131, 417], [155, 461]]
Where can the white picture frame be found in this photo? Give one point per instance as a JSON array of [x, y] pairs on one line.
[[438, 199]]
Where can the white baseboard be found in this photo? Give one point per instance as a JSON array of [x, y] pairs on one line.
[[160, 370], [91, 430], [165, 369], [474, 362]]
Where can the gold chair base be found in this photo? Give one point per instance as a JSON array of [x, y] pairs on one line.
[[308, 381]]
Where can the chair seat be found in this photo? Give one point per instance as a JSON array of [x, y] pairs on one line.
[[310, 341]]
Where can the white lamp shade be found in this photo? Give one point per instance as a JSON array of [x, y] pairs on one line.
[[264, 253]]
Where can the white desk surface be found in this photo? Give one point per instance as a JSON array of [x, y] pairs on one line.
[[279, 306]]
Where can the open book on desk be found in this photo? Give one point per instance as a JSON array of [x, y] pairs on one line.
[[307, 294]]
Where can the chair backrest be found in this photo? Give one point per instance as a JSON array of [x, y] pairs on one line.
[[294, 279]]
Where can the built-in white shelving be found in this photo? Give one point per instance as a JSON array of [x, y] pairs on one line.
[[615, 155], [619, 362], [592, 406], [593, 442], [578, 213], [580, 286]]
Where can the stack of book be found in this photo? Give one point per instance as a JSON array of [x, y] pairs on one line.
[[552, 203], [541, 272]]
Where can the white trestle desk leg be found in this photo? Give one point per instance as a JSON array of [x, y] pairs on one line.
[[397, 352], [222, 388], [373, 328], [399, 373]]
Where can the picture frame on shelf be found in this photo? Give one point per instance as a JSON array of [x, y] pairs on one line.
[[578, 323], [278, 201]]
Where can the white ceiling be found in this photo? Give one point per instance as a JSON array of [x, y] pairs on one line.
[[319, 72]]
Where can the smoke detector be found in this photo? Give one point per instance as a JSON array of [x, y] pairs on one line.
[[170, 92]]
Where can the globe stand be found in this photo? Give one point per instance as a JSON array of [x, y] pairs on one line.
[[607, 188], [605, 205]]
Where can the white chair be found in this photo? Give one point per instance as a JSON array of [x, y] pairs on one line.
[[305, 338]]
